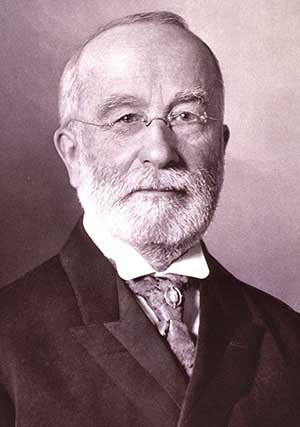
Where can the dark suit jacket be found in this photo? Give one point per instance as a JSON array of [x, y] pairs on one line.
[[76, 350]]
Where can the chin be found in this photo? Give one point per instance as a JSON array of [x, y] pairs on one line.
[[169, 224]]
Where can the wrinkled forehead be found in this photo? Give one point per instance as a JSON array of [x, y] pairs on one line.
[[144, 56]]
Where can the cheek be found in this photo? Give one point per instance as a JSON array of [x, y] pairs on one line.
[[202, 151], [107, 152]]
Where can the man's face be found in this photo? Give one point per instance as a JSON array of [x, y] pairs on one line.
[[151, 185]]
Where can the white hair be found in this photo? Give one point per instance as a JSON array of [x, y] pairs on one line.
[[72, 85]]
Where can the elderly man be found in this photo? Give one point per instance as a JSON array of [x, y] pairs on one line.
[[134, 323]]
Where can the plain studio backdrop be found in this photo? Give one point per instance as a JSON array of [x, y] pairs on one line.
[[256, 231]]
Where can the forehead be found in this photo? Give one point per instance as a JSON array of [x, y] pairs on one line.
[[144, 59]]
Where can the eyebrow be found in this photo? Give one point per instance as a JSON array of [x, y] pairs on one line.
[[190, 95], [125, 100], [117, 101]]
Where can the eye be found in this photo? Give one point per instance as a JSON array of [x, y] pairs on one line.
[[185, 117], [130, 118]]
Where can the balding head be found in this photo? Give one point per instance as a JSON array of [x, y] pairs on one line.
[[144, 27]]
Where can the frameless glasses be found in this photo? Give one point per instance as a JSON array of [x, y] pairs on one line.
[[181, 123]]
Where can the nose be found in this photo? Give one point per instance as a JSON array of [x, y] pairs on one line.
[[159, 147]]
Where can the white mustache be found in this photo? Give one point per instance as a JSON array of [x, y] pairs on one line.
[[164, 180]]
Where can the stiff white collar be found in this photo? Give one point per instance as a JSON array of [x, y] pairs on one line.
[[130, 264]]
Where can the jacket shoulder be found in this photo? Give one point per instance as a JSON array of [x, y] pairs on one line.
[[45, 272], [256, 298], [280, 319], [269, 305], [33, 297]]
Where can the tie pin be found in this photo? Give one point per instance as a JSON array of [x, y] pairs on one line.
[[173, 296]]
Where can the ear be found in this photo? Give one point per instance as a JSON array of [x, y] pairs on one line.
[[226, 135], [67, 147]]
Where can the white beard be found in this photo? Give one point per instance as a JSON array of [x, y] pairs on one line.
[[155, 224]]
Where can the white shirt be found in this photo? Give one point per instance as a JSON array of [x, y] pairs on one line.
[[130, 264]]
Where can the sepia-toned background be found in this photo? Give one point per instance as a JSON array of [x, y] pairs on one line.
[[256, 231]]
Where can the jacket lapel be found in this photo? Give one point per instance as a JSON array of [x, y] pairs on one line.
[[118, 335], [135, 332], [228, 347]]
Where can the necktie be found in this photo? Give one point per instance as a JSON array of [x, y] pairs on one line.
[[165, 296]]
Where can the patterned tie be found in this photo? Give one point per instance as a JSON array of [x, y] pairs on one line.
[[165, 297]]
